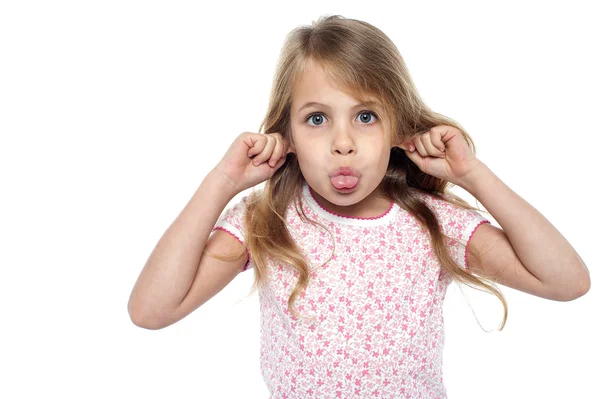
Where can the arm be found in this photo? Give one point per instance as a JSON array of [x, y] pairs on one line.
[[551, 267], [173, 264]]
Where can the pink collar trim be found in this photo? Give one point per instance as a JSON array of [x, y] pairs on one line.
[[356, 221]]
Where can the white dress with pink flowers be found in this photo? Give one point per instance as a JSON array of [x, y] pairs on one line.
[[377, 307]]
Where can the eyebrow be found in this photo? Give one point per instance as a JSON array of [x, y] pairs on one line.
[[316, 104]]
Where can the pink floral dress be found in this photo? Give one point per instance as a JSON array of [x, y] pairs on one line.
[[377, 328]]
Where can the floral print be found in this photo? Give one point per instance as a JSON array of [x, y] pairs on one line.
[[373, 325]]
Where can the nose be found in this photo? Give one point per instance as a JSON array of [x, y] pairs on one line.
[[343, 143]]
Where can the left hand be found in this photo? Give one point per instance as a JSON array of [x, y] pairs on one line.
[[442, 152]]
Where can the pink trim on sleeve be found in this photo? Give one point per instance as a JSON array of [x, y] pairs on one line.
[[469, 240], [241, 242]]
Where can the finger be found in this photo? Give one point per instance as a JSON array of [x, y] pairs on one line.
[[276, 155], [257, 144], [415, 157], [431, 149], [278, 164], [436, 140], [267, 150], [420, 147], [286, 148], [407, 146]]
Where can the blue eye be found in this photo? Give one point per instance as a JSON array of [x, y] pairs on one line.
[[320, 115]]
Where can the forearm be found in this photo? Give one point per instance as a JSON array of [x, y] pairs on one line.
[[170, 270], [539, 245]]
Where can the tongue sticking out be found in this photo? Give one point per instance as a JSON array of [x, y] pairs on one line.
[[344, 181]]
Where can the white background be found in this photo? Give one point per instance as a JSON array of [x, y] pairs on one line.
[[112, 113]]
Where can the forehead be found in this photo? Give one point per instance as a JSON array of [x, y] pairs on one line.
[[314, 84], [312, 76]]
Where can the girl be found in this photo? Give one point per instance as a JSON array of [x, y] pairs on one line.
[[355, 237]]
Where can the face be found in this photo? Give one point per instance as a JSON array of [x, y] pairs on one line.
[[339, 133]]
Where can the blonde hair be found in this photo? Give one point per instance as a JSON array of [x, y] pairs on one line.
[[362, 59]]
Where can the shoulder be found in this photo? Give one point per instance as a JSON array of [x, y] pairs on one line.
[[447, 201], [457, 217], [243, 200], [233, 215]]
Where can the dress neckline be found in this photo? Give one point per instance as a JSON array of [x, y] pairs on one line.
[[380, 220]]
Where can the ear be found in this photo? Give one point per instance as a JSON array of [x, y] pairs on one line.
[[291, 146], [290, 139]]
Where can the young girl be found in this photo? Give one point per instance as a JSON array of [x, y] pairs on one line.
[[355, 237]]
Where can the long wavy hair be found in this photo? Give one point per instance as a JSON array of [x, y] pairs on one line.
[[362, 59]]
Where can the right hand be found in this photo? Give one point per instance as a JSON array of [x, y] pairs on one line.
[[237, 165]]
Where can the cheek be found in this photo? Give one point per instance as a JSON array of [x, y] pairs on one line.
[[306, 157], [305, 148], [384, 158], [385, 161]]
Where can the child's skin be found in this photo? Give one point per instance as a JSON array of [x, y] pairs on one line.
[[546, 265], [339, 133], [177, 278], [549, 266]]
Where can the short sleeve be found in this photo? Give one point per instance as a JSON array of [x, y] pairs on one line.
[[232, 221], [457, 223]]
